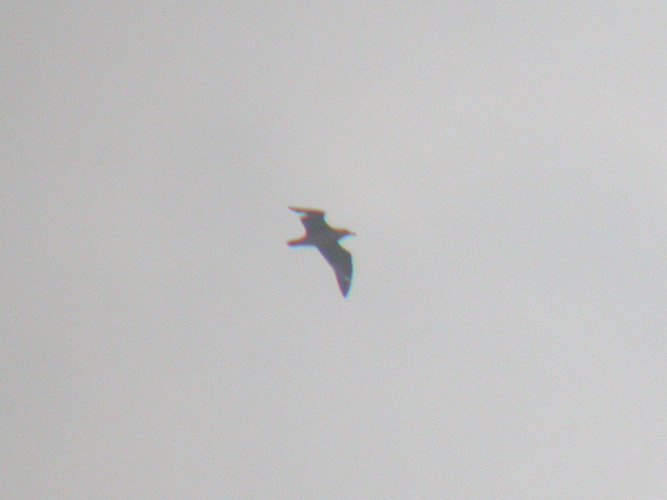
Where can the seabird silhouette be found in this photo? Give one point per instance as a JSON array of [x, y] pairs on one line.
[[319, 234]]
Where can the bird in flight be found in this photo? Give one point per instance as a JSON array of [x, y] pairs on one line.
[[319, 234]]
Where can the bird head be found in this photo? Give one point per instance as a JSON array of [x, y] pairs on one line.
[[342, 233]]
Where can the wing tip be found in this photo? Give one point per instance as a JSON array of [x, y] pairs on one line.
[[306, 210], [344, 283]]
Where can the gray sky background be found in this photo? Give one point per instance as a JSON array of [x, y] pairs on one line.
[[504, 167]]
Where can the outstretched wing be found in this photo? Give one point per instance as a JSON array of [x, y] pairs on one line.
[[312, 220], [341, 261]]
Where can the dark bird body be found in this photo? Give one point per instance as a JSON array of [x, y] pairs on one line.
[[319, 234]]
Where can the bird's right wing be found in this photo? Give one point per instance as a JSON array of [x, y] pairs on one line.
[[341, 262]]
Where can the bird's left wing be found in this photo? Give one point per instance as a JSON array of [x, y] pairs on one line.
[[341, 261], [312, 219]]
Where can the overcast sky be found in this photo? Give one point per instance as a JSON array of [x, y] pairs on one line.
[[503, 165]]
